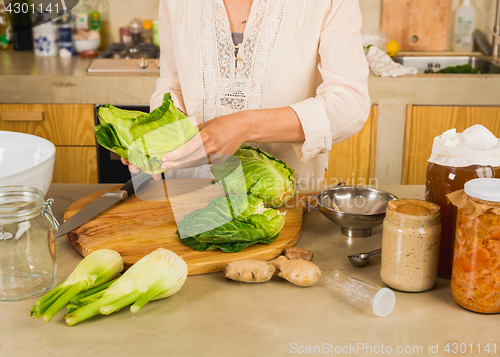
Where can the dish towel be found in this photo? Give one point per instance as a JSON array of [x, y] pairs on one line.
[[383, 65]]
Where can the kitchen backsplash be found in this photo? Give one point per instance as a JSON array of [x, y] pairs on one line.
[[122, 11]]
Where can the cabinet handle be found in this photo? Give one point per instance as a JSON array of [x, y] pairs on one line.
[[22, 116]]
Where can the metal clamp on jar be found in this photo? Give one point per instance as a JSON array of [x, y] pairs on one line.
[[27, 244]]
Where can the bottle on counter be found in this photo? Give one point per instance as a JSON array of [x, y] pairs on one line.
[[379, 301], [410, 245], [147, 31], [457, 158], [156, 33], [65, 29], [465, 24], [5, 30], [22, 39], [474, 281], [136, 30], [81, 13], [100, 20]]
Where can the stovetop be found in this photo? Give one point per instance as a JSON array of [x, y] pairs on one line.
[[127, 58], [127, 51]]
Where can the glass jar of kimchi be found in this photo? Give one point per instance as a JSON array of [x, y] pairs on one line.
[[475, 277]]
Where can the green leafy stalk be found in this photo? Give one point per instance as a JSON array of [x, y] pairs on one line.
[[63, 300], [156, 276], [97, 268], [93, 291]]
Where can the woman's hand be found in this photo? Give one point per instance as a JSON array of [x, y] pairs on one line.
[[218, 139], [135, 170]]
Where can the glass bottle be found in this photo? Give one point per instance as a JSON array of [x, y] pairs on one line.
[[410, 245], [147, 32], [100, 21], [21, 26], [5, 30], [27, 244], [81, 13]]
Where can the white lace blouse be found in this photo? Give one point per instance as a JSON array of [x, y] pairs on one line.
[[306, 54]]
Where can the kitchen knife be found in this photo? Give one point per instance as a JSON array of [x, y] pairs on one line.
[[135, 184]]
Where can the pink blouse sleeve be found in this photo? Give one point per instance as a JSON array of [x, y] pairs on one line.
[[341, 105]]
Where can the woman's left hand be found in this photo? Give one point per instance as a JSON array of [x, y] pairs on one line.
[[217, 140]]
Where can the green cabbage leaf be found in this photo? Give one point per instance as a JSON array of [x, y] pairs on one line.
[[231, 224], [143, 138], [256, 172]]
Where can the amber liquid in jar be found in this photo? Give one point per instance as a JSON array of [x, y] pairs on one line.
[[475, 280], [442, 180]]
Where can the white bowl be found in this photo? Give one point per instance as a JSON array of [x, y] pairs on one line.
[[87, 45], [26, 160]]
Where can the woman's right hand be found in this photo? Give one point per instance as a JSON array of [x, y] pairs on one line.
[[135, 170]]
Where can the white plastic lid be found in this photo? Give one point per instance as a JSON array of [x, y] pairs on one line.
[[487, 189], [383, 302]]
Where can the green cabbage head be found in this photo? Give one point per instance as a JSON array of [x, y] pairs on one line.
[[254, 171], [143, 138]]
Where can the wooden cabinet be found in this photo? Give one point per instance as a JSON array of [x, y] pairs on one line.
[[68, 126], [424, 123], [353, 160]]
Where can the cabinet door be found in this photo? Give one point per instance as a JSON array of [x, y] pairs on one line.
[[75, 164], [68, 126], [62, 124], [353, 160], [424, 123]]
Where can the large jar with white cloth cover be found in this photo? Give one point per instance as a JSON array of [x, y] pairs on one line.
[[457, 158]]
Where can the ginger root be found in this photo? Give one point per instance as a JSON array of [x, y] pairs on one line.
[[249, 270], [298, 253], [297, 271]]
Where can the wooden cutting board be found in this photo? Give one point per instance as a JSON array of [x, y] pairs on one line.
[[418, 25], [143, 223]]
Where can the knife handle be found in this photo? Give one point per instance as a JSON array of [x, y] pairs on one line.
[[138, 181]]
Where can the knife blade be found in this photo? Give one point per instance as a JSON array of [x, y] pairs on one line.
[[135, 184]]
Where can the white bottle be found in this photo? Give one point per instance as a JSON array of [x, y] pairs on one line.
[[465, 23]]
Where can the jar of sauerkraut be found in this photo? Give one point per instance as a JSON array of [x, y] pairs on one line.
[[475, 277], [410, 245]]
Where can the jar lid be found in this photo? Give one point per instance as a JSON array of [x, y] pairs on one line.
[[487, 189]]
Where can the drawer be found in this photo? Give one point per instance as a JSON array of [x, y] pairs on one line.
[[75, 164], [62, 124]]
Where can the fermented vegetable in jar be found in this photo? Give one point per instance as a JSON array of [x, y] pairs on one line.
[[442, 180], [410, 245], [475, 280], [457, 158]]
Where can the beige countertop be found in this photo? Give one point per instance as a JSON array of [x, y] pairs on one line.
[[25, 78], [213, 316]]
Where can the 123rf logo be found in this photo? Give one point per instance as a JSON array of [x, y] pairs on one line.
[[26, 14]]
